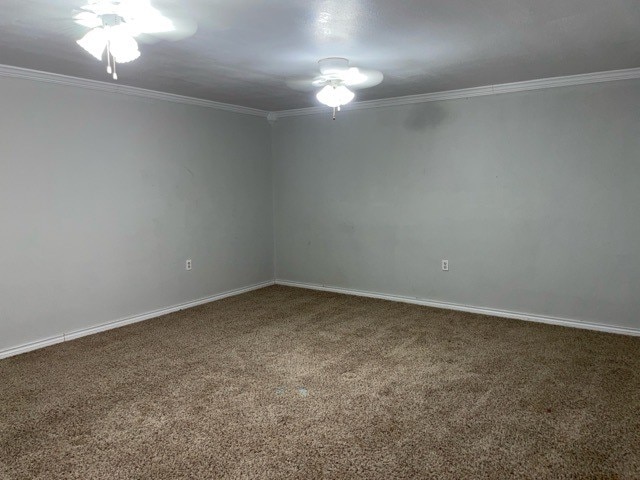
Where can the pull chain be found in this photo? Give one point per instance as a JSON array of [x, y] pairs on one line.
[[109, 70], [111, 62]]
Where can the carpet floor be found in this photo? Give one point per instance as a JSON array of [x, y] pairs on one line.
[[290, 383]]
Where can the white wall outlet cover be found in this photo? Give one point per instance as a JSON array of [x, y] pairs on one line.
[[188, 264], [445, 265]]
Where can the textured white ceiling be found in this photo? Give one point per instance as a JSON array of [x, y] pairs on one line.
[[244, 50]]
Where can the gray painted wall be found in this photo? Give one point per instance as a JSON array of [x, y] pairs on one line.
[[103, 197], [532, 197]]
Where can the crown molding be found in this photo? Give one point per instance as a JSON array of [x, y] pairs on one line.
[[272, 117], [571, 80], [54, 78]]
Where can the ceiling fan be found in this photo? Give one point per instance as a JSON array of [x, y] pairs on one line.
[[336, 82], [116, 25]]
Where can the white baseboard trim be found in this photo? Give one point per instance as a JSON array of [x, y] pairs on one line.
[[65, 337], [27, 347], [565, 322]]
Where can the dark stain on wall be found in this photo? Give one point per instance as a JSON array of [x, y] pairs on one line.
[[424, 116]]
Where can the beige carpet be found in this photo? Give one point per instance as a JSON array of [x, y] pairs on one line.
[[289, 383]]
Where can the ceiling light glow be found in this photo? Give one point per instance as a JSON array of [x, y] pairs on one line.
[[115, 24], [88, 19], [94, 42], [123, 47], [353, 76], [335, 96]]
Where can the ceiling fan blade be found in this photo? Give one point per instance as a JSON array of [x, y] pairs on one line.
[[94, 42], [151, 24], [303, 84], [163, 23], [182, 28], [87, 19], [358, 78]]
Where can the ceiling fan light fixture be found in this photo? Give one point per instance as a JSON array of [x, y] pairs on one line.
[[116, 24], [94, 42], [123, 47], [336, 82], [335, 96]]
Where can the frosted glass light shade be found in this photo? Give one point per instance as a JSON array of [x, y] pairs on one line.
[[94, 42], [335, 96], [123, 47]]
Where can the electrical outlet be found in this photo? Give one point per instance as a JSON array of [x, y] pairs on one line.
[[445, 265], [188, 264]]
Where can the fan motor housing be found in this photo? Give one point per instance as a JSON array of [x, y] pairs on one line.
[[111, 19], [333, 65]]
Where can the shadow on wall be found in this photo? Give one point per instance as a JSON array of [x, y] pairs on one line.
[[424, 116]]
